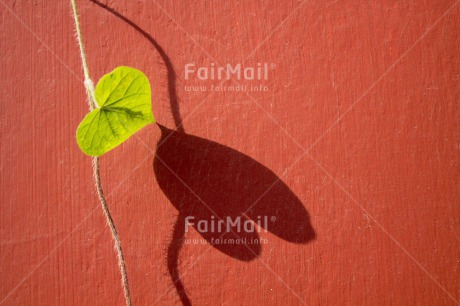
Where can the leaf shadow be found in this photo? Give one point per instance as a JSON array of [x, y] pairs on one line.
[[209, 182]]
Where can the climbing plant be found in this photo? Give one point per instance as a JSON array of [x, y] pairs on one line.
[[120, 105]]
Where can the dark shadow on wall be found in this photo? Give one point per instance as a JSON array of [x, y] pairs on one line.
[[208, 182]]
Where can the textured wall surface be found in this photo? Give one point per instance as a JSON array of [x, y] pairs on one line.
[[358, 126]]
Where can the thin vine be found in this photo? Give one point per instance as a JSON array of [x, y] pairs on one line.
[[95, 162]]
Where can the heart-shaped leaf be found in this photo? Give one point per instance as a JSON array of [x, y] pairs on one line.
[[124, 107]]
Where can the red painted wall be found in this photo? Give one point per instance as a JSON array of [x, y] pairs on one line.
[[360, 122]]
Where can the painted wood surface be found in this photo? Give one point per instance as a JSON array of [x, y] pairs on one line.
[[359, 122]]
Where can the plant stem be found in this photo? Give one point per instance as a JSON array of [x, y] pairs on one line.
[[96, 172], [113, 229], [88, 83]]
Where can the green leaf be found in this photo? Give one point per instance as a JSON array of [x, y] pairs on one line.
[[124, 107]]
